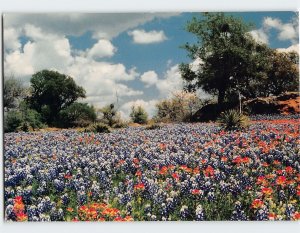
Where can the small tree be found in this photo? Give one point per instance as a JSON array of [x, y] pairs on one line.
[[13, 92], [138, 115], [109, 114]]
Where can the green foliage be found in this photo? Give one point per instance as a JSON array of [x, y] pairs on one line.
[[52, 92], [13, 91], [98, 128], [230, 58], [233, 120], [283, 74], [109, 115], [12, 120], [77, 115], [138, 115], [24, 119]]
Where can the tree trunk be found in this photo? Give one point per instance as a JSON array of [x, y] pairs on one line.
[[221, 96]]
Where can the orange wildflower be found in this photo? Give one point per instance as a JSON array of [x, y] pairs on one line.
[[196, 191], [267, 191], [257, 203], [139, 187], [281, 180], [272, 216], [175, 176]]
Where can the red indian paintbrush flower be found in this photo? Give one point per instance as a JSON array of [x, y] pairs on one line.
[[257, 203], [281, 180], [139, 187], [267, 191]]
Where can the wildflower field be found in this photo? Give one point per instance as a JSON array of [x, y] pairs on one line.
[[176, 172]]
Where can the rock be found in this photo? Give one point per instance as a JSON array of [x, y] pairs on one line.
[[287, 103]]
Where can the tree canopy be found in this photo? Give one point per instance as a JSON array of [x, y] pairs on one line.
[[52, 92], [230, 58]]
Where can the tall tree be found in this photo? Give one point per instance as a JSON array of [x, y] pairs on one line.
[[52, 92], [230, 58]]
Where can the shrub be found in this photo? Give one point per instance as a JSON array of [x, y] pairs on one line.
[[24, 119], [138, 115], [77, 115], [98, 128], [180, 107], [233, 120], [110, 115], [12, 121]]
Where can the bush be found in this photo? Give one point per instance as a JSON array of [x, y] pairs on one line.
[[12, 121], [180, 107], [25, 119], [233, 120], [138, 115], [77, 115], [98, 128]]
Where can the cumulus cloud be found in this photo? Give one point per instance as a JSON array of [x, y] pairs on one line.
[[11, 39], [285, 31], [149, 106], [42, 52], [103, 48], [143, 37], [292, 48], [171, 81], [150, 78], [260, 35]]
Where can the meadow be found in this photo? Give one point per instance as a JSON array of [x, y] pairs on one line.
[[189, 172]]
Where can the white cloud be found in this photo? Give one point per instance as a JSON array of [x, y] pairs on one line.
[[292, 48], [269, 22], [143, 37], [11, 39], [260, 36], [171, 82], [103, 48], [149, 106], [286, 31], [49, 52], [150, 78]]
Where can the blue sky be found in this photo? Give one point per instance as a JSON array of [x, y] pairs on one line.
[[135, 55]]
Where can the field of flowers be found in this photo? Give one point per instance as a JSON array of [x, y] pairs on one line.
[[178, 172]]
